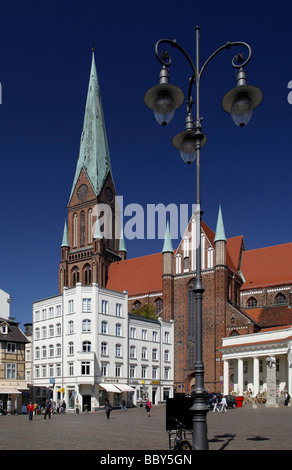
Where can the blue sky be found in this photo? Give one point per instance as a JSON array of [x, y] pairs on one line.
[[45, 57]]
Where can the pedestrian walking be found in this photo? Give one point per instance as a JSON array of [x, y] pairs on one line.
[[123, 405], [287, 399], [108, 409], [64, 406], [47, 410], [216, 404], [35, 408], [141, 402], [148, 407], [223, 404], [30, 409]]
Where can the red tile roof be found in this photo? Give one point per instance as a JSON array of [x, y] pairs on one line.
[[137, 275], [272, 316], [267, 266]]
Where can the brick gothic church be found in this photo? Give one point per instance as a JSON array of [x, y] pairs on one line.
[[245, 291]]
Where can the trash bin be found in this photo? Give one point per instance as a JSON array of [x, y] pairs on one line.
[[239, 401]]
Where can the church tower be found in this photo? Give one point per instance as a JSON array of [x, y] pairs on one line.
[[91, 235]]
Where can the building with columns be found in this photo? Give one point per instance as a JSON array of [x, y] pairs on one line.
[[248, 354]]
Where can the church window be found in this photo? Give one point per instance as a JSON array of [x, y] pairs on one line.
[[159, 305], [75, 276], [82, 228], [137, 305], [75, 231], [89, 222], [87, 275], [252, 302], [280, 299]]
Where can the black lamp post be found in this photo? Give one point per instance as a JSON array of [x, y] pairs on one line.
[[163, 99]]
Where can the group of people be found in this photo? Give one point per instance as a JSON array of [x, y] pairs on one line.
[[220, 404], [46, 410], [108, 407]]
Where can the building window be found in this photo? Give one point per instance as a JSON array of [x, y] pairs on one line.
[[166, 337], [86, 326], [71, 348], [103, 369], [144, 353], [104, 307], [132, 332], [144, 372], [104, 349], [44, 332], [51, 370], [86, 305], [75, 276], [44, 352], [37, 333], [252, 302], [118, 370], [154, 336], [118, 350], [118, 329], [280, 299], [158, 305], [70, 327], [51, 312], [58, 329], [82, 228], [87, 275], [85, 368], [75, 231], [86, 346], [58, 350], [37, 353], [51, 331], [118, 310], [11, 347], [166, 373], [144, 335], [154, 354], [104, 327], [154, 372], [58, 370], [132, 371], [51, 350], [166, 356], [71, 369], [133, 352], [71, 306], [58, 311]]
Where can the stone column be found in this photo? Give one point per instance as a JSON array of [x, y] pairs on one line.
[[256, 376], [271, 382], [225, 377], [240, 376]]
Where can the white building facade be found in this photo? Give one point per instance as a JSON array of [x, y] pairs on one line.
[[247, 354], [83, 352]]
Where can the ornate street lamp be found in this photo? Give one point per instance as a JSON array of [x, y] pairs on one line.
[[164, 99]]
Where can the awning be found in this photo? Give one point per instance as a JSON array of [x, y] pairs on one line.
[[125, 388], [9, 391], [110, 388]]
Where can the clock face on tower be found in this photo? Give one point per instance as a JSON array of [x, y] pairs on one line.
[[82, 191]]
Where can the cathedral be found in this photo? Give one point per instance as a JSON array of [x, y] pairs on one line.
[[246, 291]]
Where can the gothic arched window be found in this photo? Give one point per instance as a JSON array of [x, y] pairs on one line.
[[252, 302], [280, 299], [82, 228], [87, 275], [75, 276]]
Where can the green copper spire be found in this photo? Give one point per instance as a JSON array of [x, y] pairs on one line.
[[220, 232], [65, 241], [167, 246], [122, 245], [93, 152]]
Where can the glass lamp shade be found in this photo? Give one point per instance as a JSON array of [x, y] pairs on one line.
[[164, 99], [164, 108], [241, 110], [240, 103], [185, 142], [188, 150]]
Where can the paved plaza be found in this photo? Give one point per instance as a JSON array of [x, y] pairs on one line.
[[244, 428]]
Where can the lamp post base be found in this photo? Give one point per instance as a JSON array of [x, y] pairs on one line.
[[200, 433]]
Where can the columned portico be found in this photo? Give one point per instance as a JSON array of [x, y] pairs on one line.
[[248, 354]]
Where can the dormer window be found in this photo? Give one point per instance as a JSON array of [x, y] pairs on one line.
[[4, 328]]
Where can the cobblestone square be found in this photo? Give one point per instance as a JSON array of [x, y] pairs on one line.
[[244, 428]]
